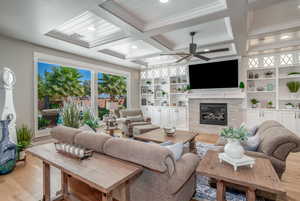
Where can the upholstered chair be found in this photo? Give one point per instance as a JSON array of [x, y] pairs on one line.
[[131, 118]]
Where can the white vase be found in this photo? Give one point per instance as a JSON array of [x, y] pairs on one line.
[[234, 149]]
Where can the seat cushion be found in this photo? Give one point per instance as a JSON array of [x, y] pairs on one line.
[[91, 140]]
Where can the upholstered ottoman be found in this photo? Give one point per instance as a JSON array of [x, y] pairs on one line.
[[138, 130]]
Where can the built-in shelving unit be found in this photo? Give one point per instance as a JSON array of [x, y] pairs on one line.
[[267, 78]]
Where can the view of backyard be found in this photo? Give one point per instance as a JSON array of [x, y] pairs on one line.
[[58, 83]]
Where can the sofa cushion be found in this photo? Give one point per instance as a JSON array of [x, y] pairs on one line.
[[135, 118], [139, 123], [132, 112], [91, 140], [266, 125], [275, 138], [152, 156], [64, 134], [176, 149]]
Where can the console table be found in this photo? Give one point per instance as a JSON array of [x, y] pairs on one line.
[[261, 177], [101, 172]]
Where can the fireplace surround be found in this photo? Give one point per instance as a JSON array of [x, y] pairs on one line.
[[213, 114]]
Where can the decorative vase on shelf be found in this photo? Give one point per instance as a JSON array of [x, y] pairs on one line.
[[234, 149]]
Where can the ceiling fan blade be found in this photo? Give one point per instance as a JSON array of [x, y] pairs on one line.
[[175, 54], [183, 58], [212, 51], [202, 57]]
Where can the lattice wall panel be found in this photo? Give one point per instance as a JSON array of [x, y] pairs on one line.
[[173, 71], [156, 73], [150, 74], [268, 61], [286, 59], [164, 72], [253, 62], [182, 70], [143, 75]]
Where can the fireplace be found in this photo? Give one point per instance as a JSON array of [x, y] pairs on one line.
[[213, 113]]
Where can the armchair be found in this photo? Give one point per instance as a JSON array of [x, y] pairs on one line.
[[131, 118]]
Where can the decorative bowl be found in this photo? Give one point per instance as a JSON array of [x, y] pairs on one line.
[[170, 131]]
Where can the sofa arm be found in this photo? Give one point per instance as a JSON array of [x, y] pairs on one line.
[[256, 154], [185, 167]]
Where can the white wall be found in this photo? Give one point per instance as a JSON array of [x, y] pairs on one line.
[[19, 56]]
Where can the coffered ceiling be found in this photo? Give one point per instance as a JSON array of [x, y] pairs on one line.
[[132, 33]]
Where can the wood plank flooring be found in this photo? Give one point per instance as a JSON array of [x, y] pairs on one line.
[[25, 183]]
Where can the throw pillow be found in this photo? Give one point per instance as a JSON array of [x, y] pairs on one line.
[[251, 131], [176, 149], [135, 118], [86, 128], [252, 143]]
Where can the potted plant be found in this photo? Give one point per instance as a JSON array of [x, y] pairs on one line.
[[242, 86], [254, 102], [289, 106], [270, 104], [294, 74], [234, 136], [293, 87], [24, 138], [148, 82]]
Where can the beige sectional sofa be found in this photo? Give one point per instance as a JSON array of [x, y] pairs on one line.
[[163, 178]]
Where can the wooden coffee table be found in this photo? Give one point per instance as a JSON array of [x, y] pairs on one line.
[[261, 177], [101, 172], [180, 136]]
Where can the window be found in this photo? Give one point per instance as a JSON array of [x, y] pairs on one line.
[[111, 89], [56, 83]]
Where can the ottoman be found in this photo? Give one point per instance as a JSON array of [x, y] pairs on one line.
[[138, 130]]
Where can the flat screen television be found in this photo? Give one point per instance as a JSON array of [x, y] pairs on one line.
[[224, 74]]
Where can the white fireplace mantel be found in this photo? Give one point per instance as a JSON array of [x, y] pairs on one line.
[[217, 95]]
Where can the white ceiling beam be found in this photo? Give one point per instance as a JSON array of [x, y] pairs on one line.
[[238, 18], [259, 4], [128, 28], [116, 42], [187, 23], [277, 45]]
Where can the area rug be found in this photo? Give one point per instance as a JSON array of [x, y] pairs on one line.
[[204, 192]]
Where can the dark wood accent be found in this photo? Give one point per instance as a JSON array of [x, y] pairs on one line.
[[261, 177], [100, 172]]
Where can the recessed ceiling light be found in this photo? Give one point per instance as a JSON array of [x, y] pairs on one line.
[[164, 1], [284, 37], [134, 47], [206, 50], [91, 28], [298, 6]]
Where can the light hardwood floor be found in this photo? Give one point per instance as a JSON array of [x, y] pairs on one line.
[[25, 183]]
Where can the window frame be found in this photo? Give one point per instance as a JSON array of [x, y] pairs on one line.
[[93, 68]]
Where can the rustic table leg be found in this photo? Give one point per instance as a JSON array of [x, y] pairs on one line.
[[251, 195], [127, 191], [193, 146], [64, 185], [46, 182], [107, 197], [220, 191]]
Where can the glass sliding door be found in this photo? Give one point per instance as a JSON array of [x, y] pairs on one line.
[[57, 83], [111, 89]]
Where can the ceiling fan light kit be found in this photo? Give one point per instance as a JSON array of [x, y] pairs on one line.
[[193, 52]]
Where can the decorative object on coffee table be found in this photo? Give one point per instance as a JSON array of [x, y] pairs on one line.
[[244, 161], [261, 177], [234, 136], [159, 136], [170, 131]]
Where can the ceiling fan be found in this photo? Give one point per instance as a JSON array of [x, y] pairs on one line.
[[193, 52]]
